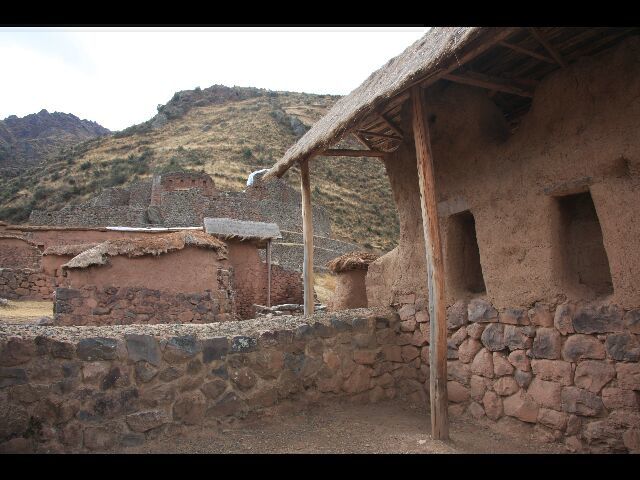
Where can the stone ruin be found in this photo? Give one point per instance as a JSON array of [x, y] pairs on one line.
[[184, 199]]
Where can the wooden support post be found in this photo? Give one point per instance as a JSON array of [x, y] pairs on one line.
[[307, 236], [269, 273], [435, 271]]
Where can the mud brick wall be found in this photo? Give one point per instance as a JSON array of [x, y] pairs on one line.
[[78, 389], [570, 373], [126, 305], [25, 284]]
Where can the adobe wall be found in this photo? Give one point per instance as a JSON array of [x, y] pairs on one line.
[[80, 389], [350, 291], [250, 280], [19, 253], [568, 373], [25, 284], [191, 269], [582, 125]]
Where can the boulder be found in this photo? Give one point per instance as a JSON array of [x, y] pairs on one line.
[[581, 402], [563, 319], [457, 315], [505, 386], [492, 405], [493, 337], [582, 347], [97, 348], [547, 344], [592, 375], [143, 347], [623, 346], [146, 420], [589, 319], [546, 394], [457, 393], [519, 360], [501, 365], [522, 407], [540, 315], [481, 311], [628, 375], [483, 363], [552, 370]]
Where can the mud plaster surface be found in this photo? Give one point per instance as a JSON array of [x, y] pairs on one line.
[[583, 123]]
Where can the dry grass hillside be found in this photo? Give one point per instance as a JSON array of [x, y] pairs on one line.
[[227, 138]]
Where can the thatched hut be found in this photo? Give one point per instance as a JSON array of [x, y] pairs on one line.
[[514, 160], [350, 271]]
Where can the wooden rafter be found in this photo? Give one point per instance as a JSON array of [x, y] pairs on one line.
[[545, 43], [390, 124], [346, 152], [368, 133], [531, 53], [490, 83], [361, 140]]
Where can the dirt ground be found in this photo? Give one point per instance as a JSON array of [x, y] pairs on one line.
[[388, 427], [25, 311]]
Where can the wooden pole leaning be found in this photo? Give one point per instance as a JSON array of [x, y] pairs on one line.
[[435, 270]]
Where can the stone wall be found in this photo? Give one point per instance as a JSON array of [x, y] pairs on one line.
[[91, 216], [91, 305], [571, 374], [18, 253], [102, 388], [25, 284]]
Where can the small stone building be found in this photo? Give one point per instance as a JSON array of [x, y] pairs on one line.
[[179, 277], [350, 271]]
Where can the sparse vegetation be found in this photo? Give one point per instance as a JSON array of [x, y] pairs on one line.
[[227, 140]]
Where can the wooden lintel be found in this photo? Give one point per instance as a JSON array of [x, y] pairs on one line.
[[368, 133], [548, 47], [435, 270], [307, 237], [525, 51], [346, 152], [489, 83]]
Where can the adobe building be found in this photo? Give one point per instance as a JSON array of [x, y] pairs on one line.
[[350, 271], [514, 159]]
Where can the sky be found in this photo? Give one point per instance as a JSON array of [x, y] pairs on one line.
[[118, 76]]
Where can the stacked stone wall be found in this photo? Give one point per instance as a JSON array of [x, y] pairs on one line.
[[91, 305], [19, 253], [25, 284], [570, 373], [98, 389], [91, 216]]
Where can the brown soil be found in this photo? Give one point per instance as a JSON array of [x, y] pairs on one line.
[[388, 427], [25, 311]]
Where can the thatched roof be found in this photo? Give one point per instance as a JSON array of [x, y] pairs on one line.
[[16, 237], [351, 261], [63, 249], [155, 245], [229, 228], [437, 48]]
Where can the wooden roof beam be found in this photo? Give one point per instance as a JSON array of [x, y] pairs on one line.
[[490, 83], [346, 152], [545, 43], [531, 53], [368, 133]]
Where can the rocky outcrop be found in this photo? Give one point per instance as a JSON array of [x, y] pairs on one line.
[[26, 141]]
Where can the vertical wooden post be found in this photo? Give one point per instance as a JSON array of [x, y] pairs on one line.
[[435, 271], [307, 236], [269, 273]]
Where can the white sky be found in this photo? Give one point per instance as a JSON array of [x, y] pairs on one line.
[[117, 76]]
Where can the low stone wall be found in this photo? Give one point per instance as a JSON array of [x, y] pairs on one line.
[[25, 284], [74, 389], [571, 373], [91, 305]]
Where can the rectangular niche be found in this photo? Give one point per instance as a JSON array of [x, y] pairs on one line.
[[465, 271], [583, 257]]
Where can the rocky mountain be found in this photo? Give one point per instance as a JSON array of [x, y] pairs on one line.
[[29, 140], [227, 132]]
